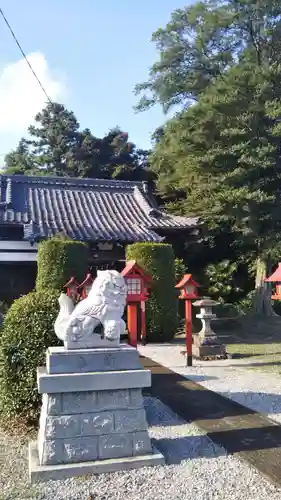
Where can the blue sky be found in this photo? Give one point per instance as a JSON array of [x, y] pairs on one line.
[[89, 54]]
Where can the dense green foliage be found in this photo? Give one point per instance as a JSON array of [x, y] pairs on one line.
[[57, 147], [58, 260], [221, 158], [27, 332], [203, 41], [157, 259]]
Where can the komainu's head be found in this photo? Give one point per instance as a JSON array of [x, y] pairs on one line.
[[111, 285]]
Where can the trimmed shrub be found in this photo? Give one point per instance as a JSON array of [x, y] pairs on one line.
[[158, 260], [58, 260], [27, 332]]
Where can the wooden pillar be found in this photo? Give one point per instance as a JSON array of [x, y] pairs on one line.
[[143, 323], [188, 331], [132, 323]]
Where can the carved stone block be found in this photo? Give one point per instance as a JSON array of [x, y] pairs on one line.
[[141, 443], [79, 402], [111, 400], [130, 420], [52, 403], [115, 446], [80, 449], [136, 398], [97, 423]]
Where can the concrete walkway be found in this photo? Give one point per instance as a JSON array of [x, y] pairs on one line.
[[258, 390], [239, 429]]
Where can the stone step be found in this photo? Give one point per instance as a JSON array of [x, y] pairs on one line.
[[39, 472], [74, 382]]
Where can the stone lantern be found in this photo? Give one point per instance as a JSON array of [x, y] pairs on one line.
[[206, 343]]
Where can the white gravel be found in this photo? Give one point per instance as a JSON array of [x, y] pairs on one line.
[[258, 390], [196, 469]]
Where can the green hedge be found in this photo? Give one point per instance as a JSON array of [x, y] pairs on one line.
[[27, 332], [158, 260], [58, 260]]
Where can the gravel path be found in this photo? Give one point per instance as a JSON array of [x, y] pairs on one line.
[[258, 390], [196, 469]]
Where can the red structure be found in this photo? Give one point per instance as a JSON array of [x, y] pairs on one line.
[[72, 288], [276, 278], [138, 283], [188, 292], [86, 286]]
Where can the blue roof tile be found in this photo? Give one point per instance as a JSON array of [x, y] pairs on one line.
[[84, 209]]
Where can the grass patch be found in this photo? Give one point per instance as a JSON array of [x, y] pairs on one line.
[[258, 356]]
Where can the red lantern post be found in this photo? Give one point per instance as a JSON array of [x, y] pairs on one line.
[[188, 292], [276, 278], [137, 282], [72, 288], [86, 286]]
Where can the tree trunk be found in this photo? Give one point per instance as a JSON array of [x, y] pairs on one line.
[[262, 299]]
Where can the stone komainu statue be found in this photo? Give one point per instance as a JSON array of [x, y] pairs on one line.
[[75, 325]]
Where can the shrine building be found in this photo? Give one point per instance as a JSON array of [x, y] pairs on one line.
[[107, 214]]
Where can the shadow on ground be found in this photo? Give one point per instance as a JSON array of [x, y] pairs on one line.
[[176, 450], [236, 428]]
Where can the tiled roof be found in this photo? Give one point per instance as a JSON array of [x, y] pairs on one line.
[[84, 209]]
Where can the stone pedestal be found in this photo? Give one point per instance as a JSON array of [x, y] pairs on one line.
[[92, 418]]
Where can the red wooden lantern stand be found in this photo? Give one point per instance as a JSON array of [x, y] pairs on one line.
[[72, 288], [86, 286], [276, 278], [137, 282], [188, 292]]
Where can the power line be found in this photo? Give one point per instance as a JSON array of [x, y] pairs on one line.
[[24, 56]]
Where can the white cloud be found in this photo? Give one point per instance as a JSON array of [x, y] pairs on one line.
[[21, 97]]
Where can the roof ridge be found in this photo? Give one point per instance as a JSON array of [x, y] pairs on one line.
[[70, 181]]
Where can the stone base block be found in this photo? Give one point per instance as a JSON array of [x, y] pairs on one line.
[[91, 381], [39, 472], [61, 361], [208, 351]]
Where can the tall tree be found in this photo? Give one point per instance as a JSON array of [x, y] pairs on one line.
[[58, 147], [54, 136], [203, 41], [225, 154]]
